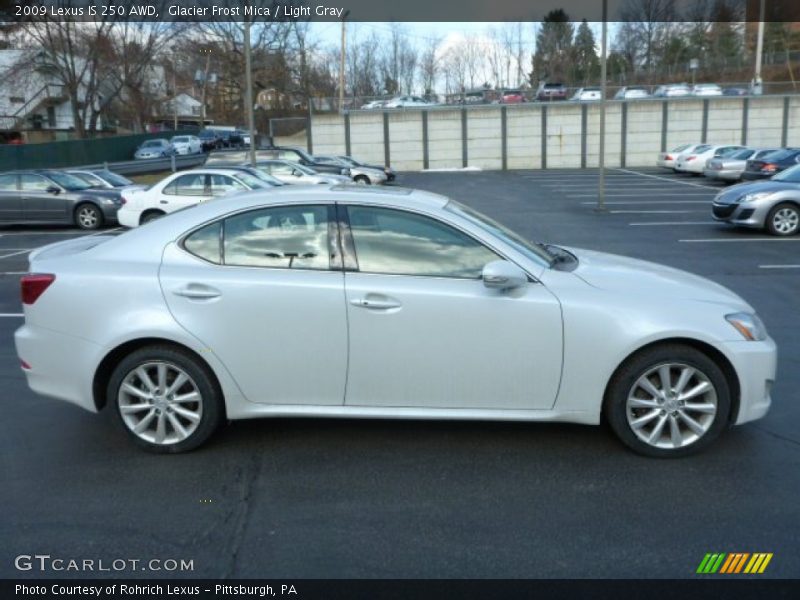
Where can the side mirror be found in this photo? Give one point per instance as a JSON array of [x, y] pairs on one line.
[[503, 275], [53, 190]]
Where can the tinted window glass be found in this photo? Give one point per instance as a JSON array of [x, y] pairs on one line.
[[187, 185], [205, 243], [402, 243], [8, 182], [289, 237], [222, 184], [34, 183]]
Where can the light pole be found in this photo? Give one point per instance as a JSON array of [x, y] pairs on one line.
[[601, 183], [248, 93], [203, 77], [757, 85], [341, 61]]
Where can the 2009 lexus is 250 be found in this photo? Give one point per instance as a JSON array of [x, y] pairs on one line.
[[348, 301]]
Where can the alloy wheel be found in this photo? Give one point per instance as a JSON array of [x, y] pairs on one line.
[[160, 403], [671, 405], [87, 217], [786, 220]]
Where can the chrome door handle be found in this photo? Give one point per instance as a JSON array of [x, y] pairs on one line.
[[197, 292], [375, 303]]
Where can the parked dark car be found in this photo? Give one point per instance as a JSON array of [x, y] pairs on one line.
[[735, 91], [302, 157], [548, 92], [101, 178], [49, 196], [771, 164], [231, 138], [210, 139]]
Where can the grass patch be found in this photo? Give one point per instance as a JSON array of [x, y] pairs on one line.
[[149, 178]]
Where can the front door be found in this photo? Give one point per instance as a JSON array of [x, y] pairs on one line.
[[426, 332], [10, 199], [39, 204], [260, 290]]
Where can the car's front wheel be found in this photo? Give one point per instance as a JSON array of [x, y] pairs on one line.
[[784, 219], [88, 216], [668, 401], [361, 179], [167, 400]]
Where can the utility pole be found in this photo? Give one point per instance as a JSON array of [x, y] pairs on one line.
[[601, 184], [248, 93], [175, 97], [341, 62], [757, 85], [207, 52]]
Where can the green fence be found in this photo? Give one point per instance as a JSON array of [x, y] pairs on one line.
[[74, 153]]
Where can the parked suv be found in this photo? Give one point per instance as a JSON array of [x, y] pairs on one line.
[[551, 91]]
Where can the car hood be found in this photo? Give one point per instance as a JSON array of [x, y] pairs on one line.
[[633, 276], [734, 193]]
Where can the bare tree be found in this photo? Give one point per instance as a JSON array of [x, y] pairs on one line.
[[430, 65]]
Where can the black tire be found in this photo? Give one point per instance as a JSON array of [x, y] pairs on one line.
[[88, 217], [212, 410], [150, 216], [363, 179], [622, 384], [788, 209]]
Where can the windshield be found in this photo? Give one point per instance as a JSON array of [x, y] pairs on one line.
[[681, 148], [88, 178], [350, 161], [529, 249], [180, 140], [68, 182], [113, 178], [264, 176], [250, 181], [741, 154], [302, 168], [790, 175]]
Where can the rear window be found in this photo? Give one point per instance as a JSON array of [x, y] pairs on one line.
[[781, 154], [180, 140], [701, 148], [742, 154]]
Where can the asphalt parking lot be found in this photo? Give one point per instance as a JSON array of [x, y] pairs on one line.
[[300, 498]]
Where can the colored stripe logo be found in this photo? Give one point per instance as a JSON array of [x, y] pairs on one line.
[[734, 562]]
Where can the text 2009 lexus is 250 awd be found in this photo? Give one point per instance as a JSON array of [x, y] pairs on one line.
[[349, 301]]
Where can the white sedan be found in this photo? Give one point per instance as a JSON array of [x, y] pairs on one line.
[[187, 144], [183, 189], [359, 302], [293, 173], [694, 161]]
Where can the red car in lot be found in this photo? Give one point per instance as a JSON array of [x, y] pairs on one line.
[[512, 97]]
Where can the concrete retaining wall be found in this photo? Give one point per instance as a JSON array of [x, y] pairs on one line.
[[475, 136]]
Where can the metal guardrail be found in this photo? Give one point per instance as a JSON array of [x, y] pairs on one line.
[[150, 165]]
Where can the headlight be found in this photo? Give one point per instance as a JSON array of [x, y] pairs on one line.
[[754, 197], [749, 325]]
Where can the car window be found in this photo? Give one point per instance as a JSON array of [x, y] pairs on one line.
[[281, 169], [222, 184], [700, 149], [402, 243], [742, 154], [113, 178], [288, 155], [206, 243], [33, 183], [288, 237], [191, 184], [8, 182], [790, 175]]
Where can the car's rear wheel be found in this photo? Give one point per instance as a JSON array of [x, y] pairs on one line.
[[88, 216], [165, 399], [668, 401], [150, 216], [784, 219], [361, 179]]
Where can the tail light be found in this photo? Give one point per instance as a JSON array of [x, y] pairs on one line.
[[34, 285], [668, 157], [769, 168], [688, 158]]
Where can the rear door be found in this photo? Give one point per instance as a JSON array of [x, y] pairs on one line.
[[186, 190], [10, 199], [39, 204], [264, 291]]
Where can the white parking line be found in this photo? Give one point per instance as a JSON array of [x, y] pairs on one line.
[[11, 315], [779, 266], [657, 223], [652, 212], [700, 185], [25, 251], [72, 232], [765, 239], [649, 194], [651, 202]]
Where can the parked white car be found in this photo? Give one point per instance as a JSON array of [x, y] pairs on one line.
[[667, 159], [182, 189], [694, 162], [359, 173], [381, 302], [633, 92], [588, 94], [407, 102], [187, 144], [673, 90], [297, 174], [706, 89]]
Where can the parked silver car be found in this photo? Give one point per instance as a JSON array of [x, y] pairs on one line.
[[158, 148], [773, 204], [730, 168], [632, 92], [359, 173], [296, 174], [706, 89], [672, 90]]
